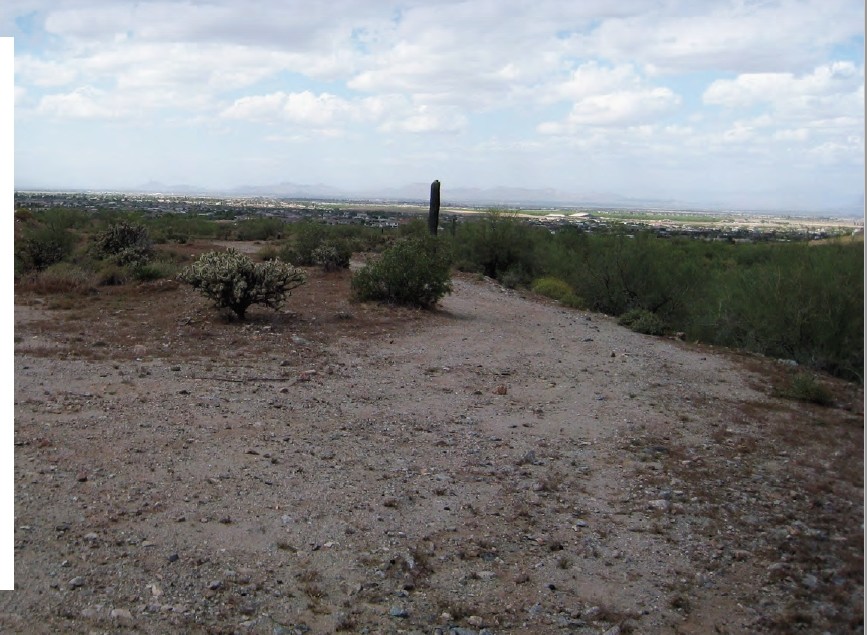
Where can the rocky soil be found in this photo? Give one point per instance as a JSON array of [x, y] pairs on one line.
[[499, 465]]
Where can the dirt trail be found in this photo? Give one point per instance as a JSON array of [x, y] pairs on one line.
[[501, 466]]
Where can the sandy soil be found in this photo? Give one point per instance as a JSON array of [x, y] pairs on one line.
[[500, 465]]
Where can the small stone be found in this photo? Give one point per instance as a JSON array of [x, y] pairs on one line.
[[122, 615], [522, 578], [810, 581], [614, 630], [76, 582], [397, 611], [660, 504], [215, 585], [81, 477], [475, 620]]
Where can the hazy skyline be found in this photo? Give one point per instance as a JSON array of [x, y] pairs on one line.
[[755, 105]]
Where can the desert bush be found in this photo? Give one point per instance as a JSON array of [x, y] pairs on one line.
[[414, 271], [110, 274], [642, 321], [557, 289], [497, 244], [43, 246], [795, 302], [235, 282], [155, 270], [332, 255], [306, 236], [260, 229], [179, 228], [124, 243]]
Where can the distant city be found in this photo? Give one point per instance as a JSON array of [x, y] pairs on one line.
[[391, 213], [500, 197]]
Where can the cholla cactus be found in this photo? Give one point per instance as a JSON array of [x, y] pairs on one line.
[[235, 282]]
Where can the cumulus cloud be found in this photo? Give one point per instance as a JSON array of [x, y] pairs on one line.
[[82, 103], [390, 113], [726, 36], [837, 78], [663, 84], [609, 96]]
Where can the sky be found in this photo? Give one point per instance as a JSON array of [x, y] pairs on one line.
[[741, 104]]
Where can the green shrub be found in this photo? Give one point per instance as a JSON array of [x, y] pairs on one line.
[[124, 243], [557, 289], [155, 270], [260, 229], [110, 274], [496, 245], [414, 271], [332, 255], [42, 247], [306, 237], [235, 282], [642, 321]]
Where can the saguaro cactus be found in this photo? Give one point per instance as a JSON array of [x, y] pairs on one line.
[[433, 218]]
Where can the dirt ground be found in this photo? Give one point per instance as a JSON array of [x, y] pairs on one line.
[[499, 465]]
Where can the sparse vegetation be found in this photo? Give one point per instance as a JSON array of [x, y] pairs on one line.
[[235, 282], [803, 386]]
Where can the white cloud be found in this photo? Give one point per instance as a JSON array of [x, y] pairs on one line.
[[391, 113], [425, 119], [44, 73], [733, 85], [726, 36], [609, 96], [838, 78], [82, 103]]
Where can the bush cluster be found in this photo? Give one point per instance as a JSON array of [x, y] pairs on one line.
[[233, 281]]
